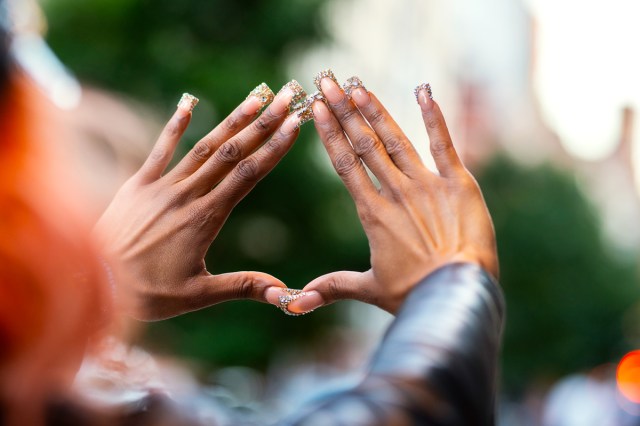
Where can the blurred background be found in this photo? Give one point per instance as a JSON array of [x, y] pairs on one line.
[[541, 98]]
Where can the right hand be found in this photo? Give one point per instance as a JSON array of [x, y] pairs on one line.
[[418, 221]]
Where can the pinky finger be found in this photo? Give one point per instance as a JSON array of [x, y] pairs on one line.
[[442, 149], [163, 150]]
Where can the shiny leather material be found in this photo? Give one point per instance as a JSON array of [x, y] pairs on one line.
[[437, 364]]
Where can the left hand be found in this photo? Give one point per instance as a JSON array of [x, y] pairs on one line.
[[155, 233]]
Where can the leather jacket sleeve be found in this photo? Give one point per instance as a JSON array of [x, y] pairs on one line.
[[437, 364]]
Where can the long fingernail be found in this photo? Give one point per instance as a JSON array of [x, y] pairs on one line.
[[298, 95], [326, 82], [259, 97], [321, 112], [272, 295], [305, 111], [423, 94], [280, 104], [292, 123], [354, 88], [307, 303], [188, 102]]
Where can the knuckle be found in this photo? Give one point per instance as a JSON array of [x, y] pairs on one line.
[[440, 147], [273, 146], [431, 121], [333, 135], [158, 155], [201, 151], [376, 117], [174, 127], [334, 289], [262, 124], [365, 145], [232, 123], [396, 146], [243, 289], [346, 163], [230, 152], [248, 169], [347, 112]]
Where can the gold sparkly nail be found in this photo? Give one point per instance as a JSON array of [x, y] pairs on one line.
[[188, 101], [351, 84], [305, 112], [423, 86], [263, 93], [298, 94], [285, 300], [323, 74]]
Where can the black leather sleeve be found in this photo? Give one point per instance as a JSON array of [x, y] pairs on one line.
[[437, 364]]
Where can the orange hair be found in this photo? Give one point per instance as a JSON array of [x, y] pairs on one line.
[[52, 291]]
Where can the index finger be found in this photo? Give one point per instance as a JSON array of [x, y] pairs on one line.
[[233, 124]]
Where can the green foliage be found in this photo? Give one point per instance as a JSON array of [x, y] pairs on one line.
[[566, 295], [302, 221]]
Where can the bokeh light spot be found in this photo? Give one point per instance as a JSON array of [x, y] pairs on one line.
[[628, 376]]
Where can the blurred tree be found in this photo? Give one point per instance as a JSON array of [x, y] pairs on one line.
[[566, 294], [299, 222]]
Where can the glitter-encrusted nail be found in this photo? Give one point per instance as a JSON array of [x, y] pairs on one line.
[[423, 86], [290, 297], [324, 74], [298, 94], [351, 84], [188, 101], [305, 112], [263, 93]]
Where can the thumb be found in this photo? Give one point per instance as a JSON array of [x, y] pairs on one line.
[[233, 286], [335, 286]]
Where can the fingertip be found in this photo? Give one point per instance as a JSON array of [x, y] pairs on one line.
[[187, 103], [310, 301], [321, 112], [424, 96]]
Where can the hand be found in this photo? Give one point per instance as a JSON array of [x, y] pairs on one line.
[[155, 233], [417, 221]]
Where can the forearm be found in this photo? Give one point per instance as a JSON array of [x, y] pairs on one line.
[[437, 363]]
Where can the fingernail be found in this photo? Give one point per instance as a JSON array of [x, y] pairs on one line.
[[305, 111], [280, 104], [320, 112], [354, 88], [307, 303], [188, 102], [424, 95], [298, 95], [321, 75], [292, 123], [326, 82], [272, 295], [259, 97]]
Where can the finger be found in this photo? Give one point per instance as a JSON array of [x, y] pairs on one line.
[[163, 150], [398, 146], [366, 143], [442, 149], [240, 118], [344, 159], [212, 289], [244, 177], [233, 151], [335, 286]]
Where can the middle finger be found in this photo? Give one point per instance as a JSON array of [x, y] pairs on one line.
[[365, 141]]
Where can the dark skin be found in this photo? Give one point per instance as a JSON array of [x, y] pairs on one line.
[[417, 221], [159, 226]]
